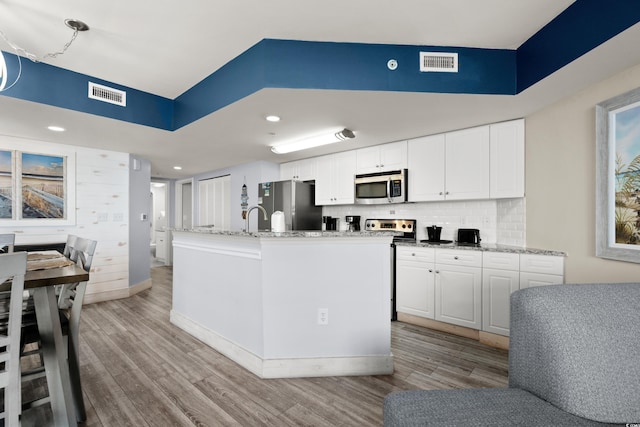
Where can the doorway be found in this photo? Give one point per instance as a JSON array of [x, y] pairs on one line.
[[159, 249]]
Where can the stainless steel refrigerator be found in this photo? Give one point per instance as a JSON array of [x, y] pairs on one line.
[[296, 199]]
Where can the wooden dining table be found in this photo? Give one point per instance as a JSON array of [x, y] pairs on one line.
[[41, 278]]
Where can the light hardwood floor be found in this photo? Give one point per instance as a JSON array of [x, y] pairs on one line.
[[138, 369]]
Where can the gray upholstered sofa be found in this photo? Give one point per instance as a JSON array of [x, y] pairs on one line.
[[574, 360]]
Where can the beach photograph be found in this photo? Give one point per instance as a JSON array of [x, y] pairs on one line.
[[42, 186], [627, 201]]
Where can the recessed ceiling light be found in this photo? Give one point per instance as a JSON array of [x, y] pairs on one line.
[[272, 119], [178, 168], [56, 128]]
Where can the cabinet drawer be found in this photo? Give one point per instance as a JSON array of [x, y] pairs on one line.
[[544, 264], [454, 257], [501, 260], [417, 254]]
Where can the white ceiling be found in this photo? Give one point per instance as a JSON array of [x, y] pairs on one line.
[[165, 47]]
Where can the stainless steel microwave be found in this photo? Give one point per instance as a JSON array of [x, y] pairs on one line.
[[381, 187]]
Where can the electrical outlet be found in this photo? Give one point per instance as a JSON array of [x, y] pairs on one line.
[[323, 316]]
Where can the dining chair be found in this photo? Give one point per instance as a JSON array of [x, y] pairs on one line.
[[12, 270], [70, 300], [7, 242]]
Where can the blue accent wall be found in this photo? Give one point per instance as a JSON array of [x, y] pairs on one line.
[[583, 26], [342, 66], [62, 88]]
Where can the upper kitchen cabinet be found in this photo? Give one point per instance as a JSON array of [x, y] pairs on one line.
[[507, 159], [450, 166], [381, 158], [467, 164], [334, 179], [426, 168], [301, 170]]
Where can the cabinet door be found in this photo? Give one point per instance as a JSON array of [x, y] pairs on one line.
[[306, 170], [415, 289], [426, 168], [458, 295], [368, 160], [507, 159], [393, 156], [288, 170], [497, 286], [324, 180], [467, 164], [334, 179], [344, 166]]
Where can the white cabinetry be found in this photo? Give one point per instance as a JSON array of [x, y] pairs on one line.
[[415, 281], [334, 178], [426, 168], [500, 278], [467, 287], [467, 164], [458, 287], [301, 170], [450, 166], [507, 159], [382, 158], [540, 270]]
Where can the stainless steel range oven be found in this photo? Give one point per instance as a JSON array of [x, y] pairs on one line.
[[408, 229]]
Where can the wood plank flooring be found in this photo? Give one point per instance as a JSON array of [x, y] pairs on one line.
[[138, 369]]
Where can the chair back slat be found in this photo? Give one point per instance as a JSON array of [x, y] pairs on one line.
[[12, 270]]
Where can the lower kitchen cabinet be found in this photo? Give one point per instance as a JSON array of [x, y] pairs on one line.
[[415, 281], [497, 287], [458, 291], [468, 288]]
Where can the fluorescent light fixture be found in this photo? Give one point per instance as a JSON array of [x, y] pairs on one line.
[[314, 141], [272, 118], [178, 168], [56, 128]]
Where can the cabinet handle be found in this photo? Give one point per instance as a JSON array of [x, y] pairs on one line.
[[437, 271], [440, 193], [446, 192], [455, 257], [430, 271], [413, 254], [381, 166]]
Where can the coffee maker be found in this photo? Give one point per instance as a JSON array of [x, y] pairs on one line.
[[353, 222]]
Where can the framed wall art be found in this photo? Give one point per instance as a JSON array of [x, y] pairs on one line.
[[36, 187], [618, 177]]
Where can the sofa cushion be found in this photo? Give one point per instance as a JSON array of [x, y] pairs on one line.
[[578, 347], [474, 407]]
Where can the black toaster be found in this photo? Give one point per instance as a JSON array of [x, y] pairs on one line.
[[469, 236]]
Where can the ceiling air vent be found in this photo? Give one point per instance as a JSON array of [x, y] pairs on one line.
[[443, 62], [107, 94]]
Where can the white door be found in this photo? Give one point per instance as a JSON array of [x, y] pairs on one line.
[[214, 196]]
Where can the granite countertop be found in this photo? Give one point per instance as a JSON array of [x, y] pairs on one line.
[[301, 233], [486, 247]]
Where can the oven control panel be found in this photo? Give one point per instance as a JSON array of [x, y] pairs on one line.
[[406, 226]]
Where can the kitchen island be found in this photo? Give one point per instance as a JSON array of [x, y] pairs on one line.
[[292, 304]]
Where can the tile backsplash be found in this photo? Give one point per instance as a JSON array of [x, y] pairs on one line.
[[499, 221]]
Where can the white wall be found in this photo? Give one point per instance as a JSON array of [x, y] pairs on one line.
[[560, 181], [102, 212]]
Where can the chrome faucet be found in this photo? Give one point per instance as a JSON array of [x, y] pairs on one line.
[[246, 218]]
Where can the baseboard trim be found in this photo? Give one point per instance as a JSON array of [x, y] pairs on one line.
[[285, 368], [487, 338], [117, 293]]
